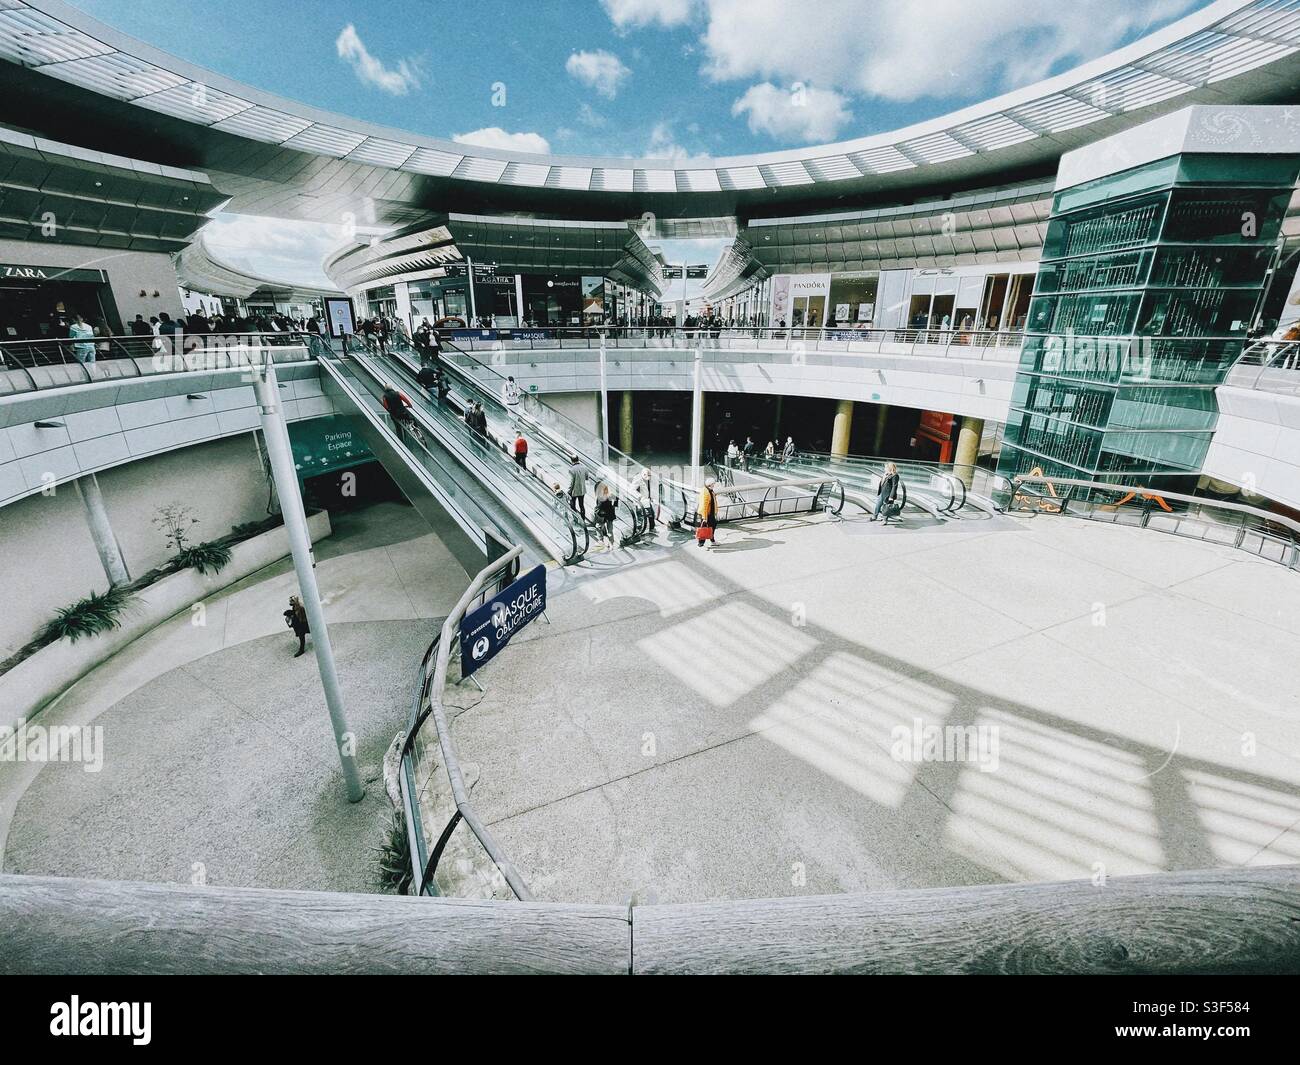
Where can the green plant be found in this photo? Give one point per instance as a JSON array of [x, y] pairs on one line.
[[206, 558], [393, 866], [98, 612], [175, 520]]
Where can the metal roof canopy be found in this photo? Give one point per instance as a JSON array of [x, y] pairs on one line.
[[279, 157]]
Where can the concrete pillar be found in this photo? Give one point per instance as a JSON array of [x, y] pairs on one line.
[[968, 448], [101, 530], [842, 429], [878, 442], [625, 424]]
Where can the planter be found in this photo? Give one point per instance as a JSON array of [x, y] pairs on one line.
[[40, 679]]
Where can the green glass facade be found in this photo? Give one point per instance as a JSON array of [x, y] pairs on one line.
[[1148, 282]]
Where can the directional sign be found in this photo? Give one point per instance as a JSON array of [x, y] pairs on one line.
[[672, 273], [696, 272], [486, 630]]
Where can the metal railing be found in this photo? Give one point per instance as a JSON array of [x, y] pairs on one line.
[[34, 365], [427, 709], [978, 344], [1274, 537], [765, 499], [1268, 366]]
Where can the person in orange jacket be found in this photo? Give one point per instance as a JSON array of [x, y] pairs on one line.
[[521, 451], [707, 508]]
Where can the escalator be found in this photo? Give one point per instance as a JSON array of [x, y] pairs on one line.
[[470, 492], [552, 437]]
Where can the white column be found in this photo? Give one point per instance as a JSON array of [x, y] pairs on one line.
[[519, 299], [604, 404], [101, 530], [276, 435], [697, 419]]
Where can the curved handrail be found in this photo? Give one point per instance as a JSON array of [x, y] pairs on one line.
[[427, 704], [1079, 500]]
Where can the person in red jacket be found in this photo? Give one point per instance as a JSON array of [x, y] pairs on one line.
[[398, 407], [521, 451]]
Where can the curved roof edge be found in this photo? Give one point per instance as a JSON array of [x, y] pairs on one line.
[[1228, 39], [198, 268]]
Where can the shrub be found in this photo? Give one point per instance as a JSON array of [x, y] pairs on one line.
[[393, 866], [98, 612], [175, 521], [206, 558]]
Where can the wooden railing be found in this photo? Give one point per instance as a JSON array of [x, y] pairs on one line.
[[1232, 921]]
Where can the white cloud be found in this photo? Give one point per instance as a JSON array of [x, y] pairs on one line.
[[496, 137], [372, 71], [280, 249], [801, 113], [601, 70], [663, 145], [907, 51], [634, 14], [589, 116]]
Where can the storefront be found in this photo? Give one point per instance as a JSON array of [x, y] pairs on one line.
[[553, 299], [853, 299], [42, 301], [800, 300]]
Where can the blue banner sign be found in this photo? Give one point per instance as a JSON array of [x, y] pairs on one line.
[[485, 630]]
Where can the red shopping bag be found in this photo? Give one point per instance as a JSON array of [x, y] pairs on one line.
[[704, 532]]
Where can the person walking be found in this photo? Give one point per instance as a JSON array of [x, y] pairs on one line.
[[747, 452], [641, 486], [577, 487], [296, 618], [521, 451], [428, 377], [606, 511], [444, 389], [510, 397], [81, 332], [886, 492], [707, 510], [787, 452], [398, 407], [733, 454]]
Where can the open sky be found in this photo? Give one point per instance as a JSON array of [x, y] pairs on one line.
[[661, 78]]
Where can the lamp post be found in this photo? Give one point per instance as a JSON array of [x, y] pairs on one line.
[[276, 434]]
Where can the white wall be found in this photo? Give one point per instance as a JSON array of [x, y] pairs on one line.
[[580, 407], [129, 273], [49, 561], [1256, 443]]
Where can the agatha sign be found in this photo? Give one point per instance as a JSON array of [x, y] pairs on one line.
[[485, 630]]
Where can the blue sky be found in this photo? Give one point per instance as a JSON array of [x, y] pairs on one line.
[[665, 78]]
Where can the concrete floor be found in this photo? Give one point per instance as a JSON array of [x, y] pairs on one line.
[[699, 725], [723, 724], [219, 759]]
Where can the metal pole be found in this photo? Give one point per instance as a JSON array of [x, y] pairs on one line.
[[604, 404], [473, 306], [697, 419], [276, 435]]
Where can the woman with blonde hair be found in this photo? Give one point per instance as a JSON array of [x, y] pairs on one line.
[[886, 492], [296, 618]]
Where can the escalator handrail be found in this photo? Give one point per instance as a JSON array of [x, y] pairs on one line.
[[533, 485]]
